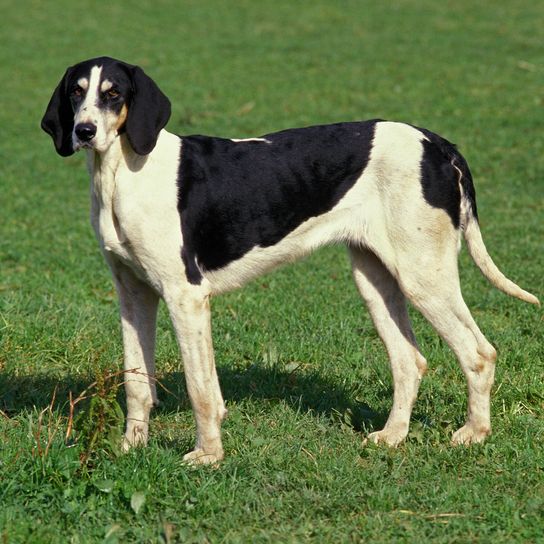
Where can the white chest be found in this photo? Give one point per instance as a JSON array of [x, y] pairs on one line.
[[134, 211]]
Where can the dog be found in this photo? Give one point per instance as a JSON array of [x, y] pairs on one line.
[[183, 218]]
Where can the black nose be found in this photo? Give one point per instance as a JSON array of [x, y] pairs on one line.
[[85, 131]]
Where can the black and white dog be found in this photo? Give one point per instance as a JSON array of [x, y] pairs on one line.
[[184, 218]]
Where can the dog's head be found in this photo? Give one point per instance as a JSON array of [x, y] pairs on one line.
[[100, 98]]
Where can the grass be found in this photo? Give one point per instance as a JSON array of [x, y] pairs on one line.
[[303, 372]]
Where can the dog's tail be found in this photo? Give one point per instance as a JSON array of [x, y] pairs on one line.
[[473, 235]]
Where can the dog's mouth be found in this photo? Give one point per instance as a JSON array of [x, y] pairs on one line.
[[82, 145], [78, 144]]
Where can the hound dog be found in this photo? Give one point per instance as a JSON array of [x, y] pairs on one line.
[[183, 218]]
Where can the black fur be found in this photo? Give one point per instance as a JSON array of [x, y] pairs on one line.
[[148, 112], [58, 120], [234, 196], [148, 107], [440, 178]]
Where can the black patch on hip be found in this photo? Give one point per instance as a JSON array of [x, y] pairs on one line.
[[440, 166]]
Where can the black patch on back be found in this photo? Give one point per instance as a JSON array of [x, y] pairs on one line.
[[234, 196], [440, 178]]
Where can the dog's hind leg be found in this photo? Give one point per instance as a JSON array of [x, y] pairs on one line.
[[387, 307], [433, 287], [138, 305]]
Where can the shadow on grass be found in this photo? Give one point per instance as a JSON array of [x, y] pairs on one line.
[[301, 391], [309, 392]]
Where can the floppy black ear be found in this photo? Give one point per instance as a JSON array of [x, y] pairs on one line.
[[58, 120], [148, 113]]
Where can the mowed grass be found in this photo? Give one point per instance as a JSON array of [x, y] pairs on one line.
[[303, 372]]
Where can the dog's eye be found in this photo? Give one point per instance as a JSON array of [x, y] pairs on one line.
[[77, 91], [112, 93]]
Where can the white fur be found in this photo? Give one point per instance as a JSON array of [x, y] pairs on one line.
[[83, 82], [236, 140], [106, 85]]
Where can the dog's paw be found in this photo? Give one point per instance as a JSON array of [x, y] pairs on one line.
[[134, 437], [201, 457], [389, 437], [469, 434]]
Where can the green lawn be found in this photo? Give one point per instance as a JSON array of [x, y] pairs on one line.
[[302, 370]]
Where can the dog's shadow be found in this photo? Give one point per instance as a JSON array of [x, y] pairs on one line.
[[304, 391], [301, 391]]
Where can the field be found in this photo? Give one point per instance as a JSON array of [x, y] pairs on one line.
[[304, 374]]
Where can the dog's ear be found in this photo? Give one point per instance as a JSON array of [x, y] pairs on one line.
[[58, 120], [148, 113]]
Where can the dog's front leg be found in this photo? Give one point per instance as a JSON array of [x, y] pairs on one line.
[[138, 305], [190, 314]]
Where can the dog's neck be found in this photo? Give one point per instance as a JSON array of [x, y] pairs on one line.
[[103, 170], [104, 164]]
